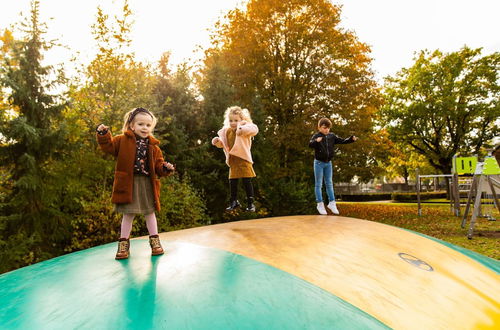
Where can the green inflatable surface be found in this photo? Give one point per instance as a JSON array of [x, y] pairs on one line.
[[190, 287]]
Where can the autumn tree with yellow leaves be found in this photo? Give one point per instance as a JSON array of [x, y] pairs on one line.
[[291, 63]]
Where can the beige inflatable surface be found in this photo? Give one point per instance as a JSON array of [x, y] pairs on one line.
[[403, 279]]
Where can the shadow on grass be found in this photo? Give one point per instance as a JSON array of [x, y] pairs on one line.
[[488, 233]]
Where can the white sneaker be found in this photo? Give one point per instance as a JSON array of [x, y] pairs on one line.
[[333, 207], [321, 208]]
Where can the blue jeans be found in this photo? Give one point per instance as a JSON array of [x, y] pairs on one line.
[[323, 170]]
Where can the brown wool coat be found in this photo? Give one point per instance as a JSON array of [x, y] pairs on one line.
[[123, 148]]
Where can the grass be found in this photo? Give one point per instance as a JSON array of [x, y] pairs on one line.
[[463, 201], [436, 221]]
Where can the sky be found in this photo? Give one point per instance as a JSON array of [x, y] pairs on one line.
[[395, 29]]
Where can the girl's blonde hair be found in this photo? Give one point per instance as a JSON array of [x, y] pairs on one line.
[[236, 110], [129, 117]]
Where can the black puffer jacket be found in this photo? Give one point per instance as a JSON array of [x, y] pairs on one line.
[[323, 150]]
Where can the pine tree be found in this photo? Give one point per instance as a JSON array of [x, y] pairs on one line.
[[32, 135]]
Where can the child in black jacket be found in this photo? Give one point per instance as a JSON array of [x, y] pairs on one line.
[[323, 143]]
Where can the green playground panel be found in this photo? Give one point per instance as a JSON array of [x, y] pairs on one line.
[[490, 166], [464, 165]]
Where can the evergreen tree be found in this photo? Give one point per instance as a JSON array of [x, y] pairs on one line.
[[185, 131], [218, 94], [32, 135]]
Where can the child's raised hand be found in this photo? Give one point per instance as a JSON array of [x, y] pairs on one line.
[[354, 138], [215, 141], [169, 166], [102, 127], [319, 139], [243, 122]]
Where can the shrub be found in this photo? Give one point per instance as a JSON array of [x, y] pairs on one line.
[[96, 224], [19, 250], [287, 196], [181, 207], [365, 197], [412, 197]]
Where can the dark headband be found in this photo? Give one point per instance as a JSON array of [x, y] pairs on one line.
[[137, 111]]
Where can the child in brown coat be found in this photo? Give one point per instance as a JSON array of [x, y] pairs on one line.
[[139, 164]]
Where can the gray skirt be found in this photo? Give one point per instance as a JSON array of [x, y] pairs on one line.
[[142, 197]]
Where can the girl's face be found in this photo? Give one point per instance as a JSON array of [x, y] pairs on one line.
[[325, 130], [234, 120], [142, 125]]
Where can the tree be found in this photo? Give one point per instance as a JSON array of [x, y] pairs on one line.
[[114, 81], [293, 62], [403, 162], [108, 87], [176, 103], [33, 135], [290, 63], [444, 104], [187, 131], [214, 84]]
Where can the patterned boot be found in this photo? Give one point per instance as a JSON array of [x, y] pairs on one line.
[[123, 249], [156, 249]]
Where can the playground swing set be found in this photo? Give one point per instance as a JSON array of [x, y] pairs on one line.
[[480, 180]]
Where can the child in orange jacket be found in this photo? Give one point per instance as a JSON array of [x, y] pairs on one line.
[[139, 164], [235, 138]]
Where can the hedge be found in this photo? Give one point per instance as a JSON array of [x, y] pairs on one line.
[[365, 197], [412, 197]]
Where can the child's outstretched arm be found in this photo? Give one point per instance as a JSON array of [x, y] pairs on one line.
[[217, 142], [247, 129], [338, 140], [106, 141]]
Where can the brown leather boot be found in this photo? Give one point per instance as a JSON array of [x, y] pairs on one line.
[[123, 249], [155, 243]]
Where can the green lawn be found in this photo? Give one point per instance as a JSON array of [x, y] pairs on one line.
[[436, 221]]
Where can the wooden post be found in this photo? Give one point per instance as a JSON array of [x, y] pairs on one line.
[[493, 192], [456, 193], [452, 195], [476, 212], [418, 192], [471, 193]]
